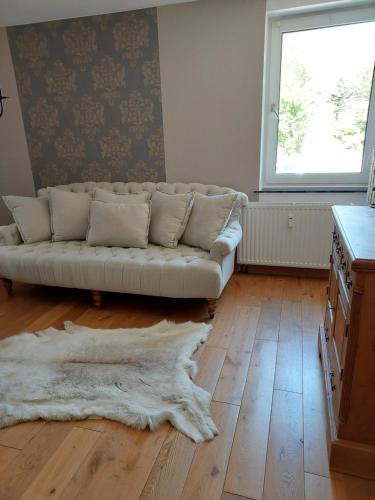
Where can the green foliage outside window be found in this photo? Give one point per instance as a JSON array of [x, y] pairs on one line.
[[350, 103], [294, 109]]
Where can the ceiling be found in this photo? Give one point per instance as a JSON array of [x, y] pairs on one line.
[[14, 12]]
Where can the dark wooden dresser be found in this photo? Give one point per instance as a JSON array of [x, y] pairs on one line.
[[347, 342]]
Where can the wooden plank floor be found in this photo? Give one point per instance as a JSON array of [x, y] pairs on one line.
[[261, 365]]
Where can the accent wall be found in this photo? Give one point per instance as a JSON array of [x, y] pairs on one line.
[[90, 96]]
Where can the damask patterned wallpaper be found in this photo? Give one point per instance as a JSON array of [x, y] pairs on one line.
[[90, 98]]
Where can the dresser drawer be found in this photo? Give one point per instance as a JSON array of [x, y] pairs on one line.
[[336, 321], [333, 286], [335, 377], [341, 263], [346, 342], [339, 335], [329, 322], [338, 256]]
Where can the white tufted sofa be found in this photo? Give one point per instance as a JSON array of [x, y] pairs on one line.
[[183, 272]]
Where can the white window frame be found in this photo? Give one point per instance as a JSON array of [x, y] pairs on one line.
[[276, 26]]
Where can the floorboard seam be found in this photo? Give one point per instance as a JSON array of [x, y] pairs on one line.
[[10, 447], [156, 459], [286, 390], [240, 496], [87, 428], [239, 412]]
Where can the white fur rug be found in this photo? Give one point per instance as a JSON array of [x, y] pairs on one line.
[[140, 377]]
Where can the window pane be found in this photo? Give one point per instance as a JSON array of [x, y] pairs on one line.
[[325, 87]]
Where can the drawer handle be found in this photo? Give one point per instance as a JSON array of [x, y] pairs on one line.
[[331, 375]]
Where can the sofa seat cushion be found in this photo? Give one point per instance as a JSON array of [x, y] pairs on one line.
[[169, 272]]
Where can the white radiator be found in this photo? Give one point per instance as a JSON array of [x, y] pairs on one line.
[[284, 234]]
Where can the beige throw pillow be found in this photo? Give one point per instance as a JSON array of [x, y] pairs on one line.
[[169, 216], [119, 224], [69, 214], [109, 197], [31, 216], [208, 218]]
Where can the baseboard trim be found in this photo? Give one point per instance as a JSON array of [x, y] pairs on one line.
[[352, 458], [300, 272]]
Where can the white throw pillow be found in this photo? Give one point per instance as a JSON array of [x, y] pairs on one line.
[[69, 214], [119, 224], [31, 216], [169, 216], [110, 197], [208, 218]]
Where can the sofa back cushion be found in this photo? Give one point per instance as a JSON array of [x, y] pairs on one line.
[[208, 218], [169, 216], [69, 214], [151, 187], [119, 224], [108, 197], [31, 216]]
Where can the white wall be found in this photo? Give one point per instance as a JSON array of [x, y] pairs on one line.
[[211, 56], [27, 12], [211, 60], [15, 168]]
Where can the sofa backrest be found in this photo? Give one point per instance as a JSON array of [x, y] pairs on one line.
[[165, 187]]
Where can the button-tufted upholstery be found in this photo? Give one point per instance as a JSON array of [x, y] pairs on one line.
[[164, 187], [179, 272], [137, 187], [167, 272]]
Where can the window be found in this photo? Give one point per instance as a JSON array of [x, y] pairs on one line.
[[317, 129]]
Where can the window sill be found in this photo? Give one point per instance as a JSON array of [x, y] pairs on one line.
[[292, 191], [333, 196]]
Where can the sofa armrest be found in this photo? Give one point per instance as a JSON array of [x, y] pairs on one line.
[[227, 241], [9, 235]]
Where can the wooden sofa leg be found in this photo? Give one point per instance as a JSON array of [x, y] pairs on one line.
[[211, 307], [8, 285], [98, 297]]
